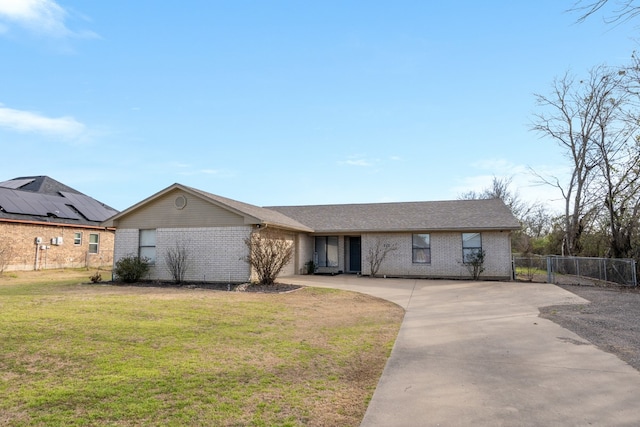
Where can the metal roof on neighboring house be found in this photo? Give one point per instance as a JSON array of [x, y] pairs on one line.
[[43, 199], [488, 214]]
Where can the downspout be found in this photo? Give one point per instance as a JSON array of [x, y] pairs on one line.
[[35, 264]]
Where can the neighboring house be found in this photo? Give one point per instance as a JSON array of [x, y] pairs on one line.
[[46, 224], [432, 238]]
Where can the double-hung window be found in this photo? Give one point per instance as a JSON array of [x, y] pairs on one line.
[[148, 245], [77, 238], [421, 249], [327, 251], [471, 245], [94, 243]]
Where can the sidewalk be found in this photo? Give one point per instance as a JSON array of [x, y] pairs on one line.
[[476, 353]]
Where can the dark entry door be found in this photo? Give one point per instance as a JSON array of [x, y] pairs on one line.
[[354, 255]]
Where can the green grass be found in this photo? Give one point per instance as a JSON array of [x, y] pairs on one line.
[[84, 355], [530, 272]]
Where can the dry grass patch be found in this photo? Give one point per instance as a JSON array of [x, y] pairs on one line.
[[80, 354]]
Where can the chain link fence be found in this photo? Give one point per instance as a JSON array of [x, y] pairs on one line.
[[575, 270]]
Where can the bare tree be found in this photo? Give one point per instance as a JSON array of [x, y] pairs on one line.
[[625, 10], [501, 189], [269, 253], [177, 261], [619, 176], [475, 263], [577, 114], [377, 253]]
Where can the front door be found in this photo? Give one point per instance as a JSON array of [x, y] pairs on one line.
[[355, 257]]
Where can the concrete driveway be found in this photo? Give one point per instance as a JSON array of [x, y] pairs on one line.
[[477, 354]]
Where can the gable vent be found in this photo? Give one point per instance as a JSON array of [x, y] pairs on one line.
[[180, 202]]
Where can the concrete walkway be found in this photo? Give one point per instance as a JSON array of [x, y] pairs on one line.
[[477, 354]]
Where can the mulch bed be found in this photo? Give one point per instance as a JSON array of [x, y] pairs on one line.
[[229, 287], [611, 321]]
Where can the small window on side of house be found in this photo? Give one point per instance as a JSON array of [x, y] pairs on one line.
[[94, 243], [77, 239], [148, 245], [471, 244], [421, 249]]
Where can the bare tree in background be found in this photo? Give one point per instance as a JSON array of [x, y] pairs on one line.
[[625, 10], [377, 253], [586, 118], [501, 189]]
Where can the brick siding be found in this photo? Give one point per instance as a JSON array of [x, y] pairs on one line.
[[446, 255], [18, 240], [215, 253]]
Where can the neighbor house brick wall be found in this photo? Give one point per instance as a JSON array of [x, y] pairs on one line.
[[18, 239], [215, 253], [446, 255]]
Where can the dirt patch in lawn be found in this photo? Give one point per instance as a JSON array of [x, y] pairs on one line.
[[611, 319]]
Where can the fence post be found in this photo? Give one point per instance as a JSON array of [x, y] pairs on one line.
[[549, 273], [633, 272]]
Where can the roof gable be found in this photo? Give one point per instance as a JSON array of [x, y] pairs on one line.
[[250, 214]]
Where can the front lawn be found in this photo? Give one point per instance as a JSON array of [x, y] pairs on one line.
[[82, 354]]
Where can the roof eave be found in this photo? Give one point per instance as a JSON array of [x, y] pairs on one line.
[[415, 230]]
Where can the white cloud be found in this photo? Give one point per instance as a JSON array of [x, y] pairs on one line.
[[43, 17], [358, 160], [27, 121]]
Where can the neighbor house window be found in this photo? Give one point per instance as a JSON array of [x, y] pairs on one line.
[[77, 239], [148, 245], [471, 244], [327, 251], [94, 243], [421, 249]]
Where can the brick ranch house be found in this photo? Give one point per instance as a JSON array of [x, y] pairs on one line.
[[432, 238], [45, 224]]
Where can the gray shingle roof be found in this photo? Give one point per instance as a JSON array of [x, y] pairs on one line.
[[264, 215], [478, 215]]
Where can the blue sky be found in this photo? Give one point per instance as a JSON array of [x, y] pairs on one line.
[[288, 102]]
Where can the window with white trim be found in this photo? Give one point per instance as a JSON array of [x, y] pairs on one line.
[[77, 238], [471, 245], [148, 245], [421, 249], [94, 243]]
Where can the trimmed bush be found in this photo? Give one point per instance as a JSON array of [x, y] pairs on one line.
[[131, 268]]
